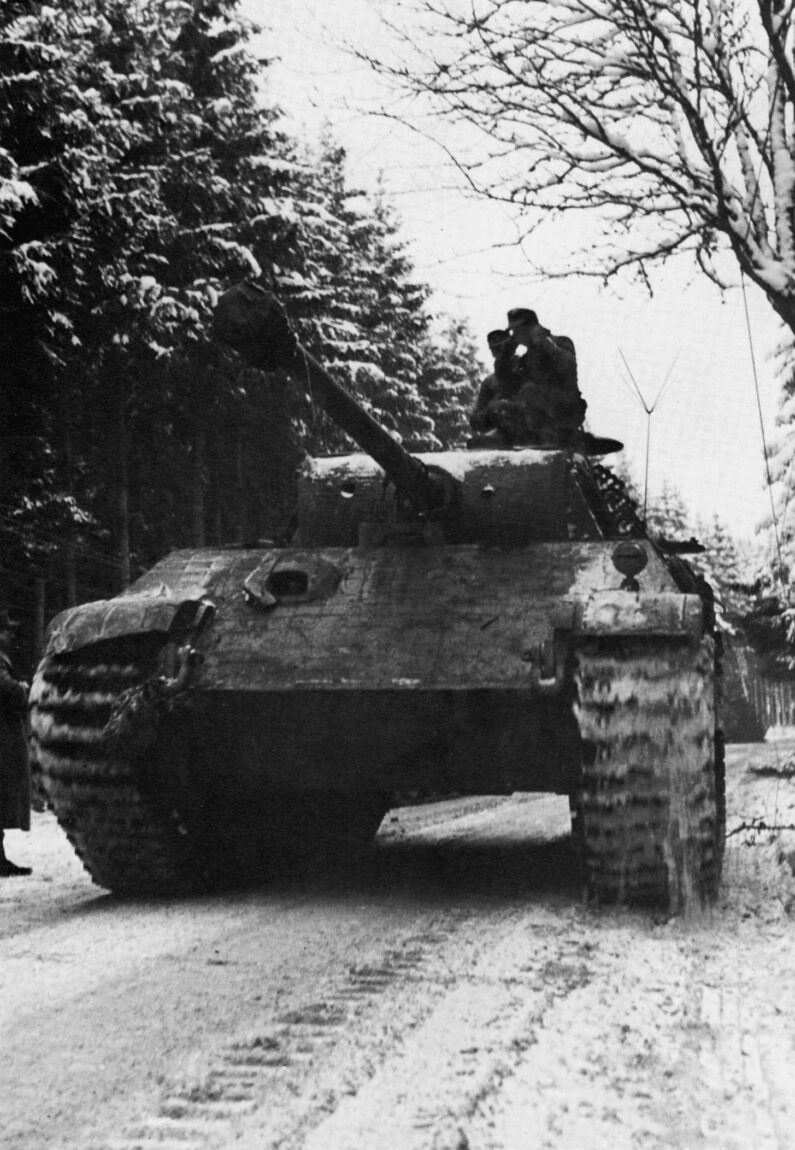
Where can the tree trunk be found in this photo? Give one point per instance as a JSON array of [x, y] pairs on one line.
[[123, 498], [38, 617], [240, 490], [70, 543], [783, 305], [199, 446]]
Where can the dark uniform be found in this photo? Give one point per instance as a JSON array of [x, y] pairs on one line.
[[532, 397], [14, 765], [495, 408]]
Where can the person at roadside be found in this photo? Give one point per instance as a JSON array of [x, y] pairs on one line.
[[15, 793]]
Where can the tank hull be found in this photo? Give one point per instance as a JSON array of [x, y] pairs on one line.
[[416, 618], [237, 704]]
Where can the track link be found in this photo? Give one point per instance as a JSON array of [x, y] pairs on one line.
[[120, 822], [649, 813]]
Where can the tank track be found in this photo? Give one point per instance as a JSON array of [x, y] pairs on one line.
[[116, 815], [650, 810]]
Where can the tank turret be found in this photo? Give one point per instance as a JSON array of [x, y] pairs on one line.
[[496, 495]]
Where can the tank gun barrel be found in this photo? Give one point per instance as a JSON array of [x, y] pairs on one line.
[[254, 323]]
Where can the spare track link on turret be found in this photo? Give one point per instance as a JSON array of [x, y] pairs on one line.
[[120, 823], [650, 811], [615, 510]]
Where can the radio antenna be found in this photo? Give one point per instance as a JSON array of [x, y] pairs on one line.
[[650, 409]]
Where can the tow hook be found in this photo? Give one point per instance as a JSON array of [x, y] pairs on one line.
[[186, 659], [546, 665], [132, 723], [180, 657]]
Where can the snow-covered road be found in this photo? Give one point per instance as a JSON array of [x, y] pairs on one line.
[[451, 993]]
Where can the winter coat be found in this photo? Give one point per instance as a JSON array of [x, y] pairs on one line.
[[540, 387], [14, 764]]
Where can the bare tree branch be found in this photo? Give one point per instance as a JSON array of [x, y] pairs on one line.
[[671, 125]]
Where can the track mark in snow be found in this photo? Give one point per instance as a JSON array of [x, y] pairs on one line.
[[265, 1068], [424, 1094], [604, 1052], [741, 1083]]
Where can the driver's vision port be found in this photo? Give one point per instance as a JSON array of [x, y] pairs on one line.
[[288, 581]]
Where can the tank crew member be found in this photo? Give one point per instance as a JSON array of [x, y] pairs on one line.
[[14, 767], [532, 396], [495, 408]]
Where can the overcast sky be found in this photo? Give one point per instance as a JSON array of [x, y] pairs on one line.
[[705, 435]]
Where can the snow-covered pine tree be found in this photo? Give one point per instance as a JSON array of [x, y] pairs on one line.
[[137, 169], [724, 562], [668, 515], [322, 288], [397, 323], [624, 472], [728, 565], [226, 184], [451, 374], [58, 133], [772, 616], [357, 302]]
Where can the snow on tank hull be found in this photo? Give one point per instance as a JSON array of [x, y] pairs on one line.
[[237, 704]]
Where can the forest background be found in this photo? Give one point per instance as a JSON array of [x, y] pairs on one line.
[[141, 172]]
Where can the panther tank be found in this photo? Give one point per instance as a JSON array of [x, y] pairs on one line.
[[482, 621]]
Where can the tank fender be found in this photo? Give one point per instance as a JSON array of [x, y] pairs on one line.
[[177, 616], [626, 613]]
